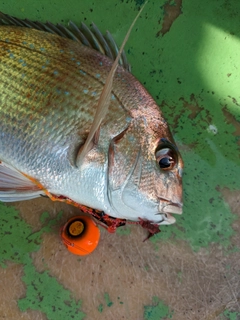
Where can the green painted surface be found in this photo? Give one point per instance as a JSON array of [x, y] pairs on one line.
[[157, 311], [107, 299], [230, 315], [192, 72], [43, 292], [196, 95], [107, 303], [124, 231], [44, 217], [184, 70], [17, 239], [100, 308]]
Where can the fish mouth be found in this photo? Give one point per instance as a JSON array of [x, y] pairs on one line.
[[172, 208], [166, 210]]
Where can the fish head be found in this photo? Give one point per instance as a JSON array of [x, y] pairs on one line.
[[145, 172]]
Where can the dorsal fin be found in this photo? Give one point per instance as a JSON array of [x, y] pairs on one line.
[[103, 103], [92, 38]]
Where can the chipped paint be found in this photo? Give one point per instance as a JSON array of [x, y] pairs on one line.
[[229, 315], [17, 242], [124, 231], [100, 308], [46, 294], [191, 69], [107, 299], [157, 311]]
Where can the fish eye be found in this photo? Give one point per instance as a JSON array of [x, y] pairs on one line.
[[166, 158]]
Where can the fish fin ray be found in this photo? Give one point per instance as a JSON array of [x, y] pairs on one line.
[[96, 136], [91, 37], [12, 196], [14, 186], [104, 101]]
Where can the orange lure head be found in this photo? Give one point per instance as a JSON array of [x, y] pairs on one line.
[[80, 235]]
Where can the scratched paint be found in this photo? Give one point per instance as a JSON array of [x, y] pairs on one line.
[[124, 231], [16, 237], [191, 68], [107, 299], [100, 308], [210, 157], [43, 292], [157, 311], [228, 315]]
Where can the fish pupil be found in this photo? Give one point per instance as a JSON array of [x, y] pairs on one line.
[[165, 162]]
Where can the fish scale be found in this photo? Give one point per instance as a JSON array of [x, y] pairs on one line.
[[50, 88], [45, 122]]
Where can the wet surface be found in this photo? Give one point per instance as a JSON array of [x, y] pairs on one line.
[[191, 270]]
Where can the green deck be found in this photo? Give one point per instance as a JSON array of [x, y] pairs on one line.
[[187, 54]]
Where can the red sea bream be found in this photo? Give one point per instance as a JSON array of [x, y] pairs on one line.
[[50, 90]]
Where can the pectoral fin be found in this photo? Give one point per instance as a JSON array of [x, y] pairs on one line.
[[15, 186], [103, 104]]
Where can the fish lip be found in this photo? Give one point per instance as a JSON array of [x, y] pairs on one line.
[[167, 219], [175, 208], [166, 211], [167, 206]]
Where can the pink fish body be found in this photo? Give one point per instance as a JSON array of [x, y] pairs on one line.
[[50, 88]]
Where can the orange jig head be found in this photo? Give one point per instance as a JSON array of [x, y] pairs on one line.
[[80, 235]]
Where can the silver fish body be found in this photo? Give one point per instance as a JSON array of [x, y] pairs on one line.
[[50, 87]]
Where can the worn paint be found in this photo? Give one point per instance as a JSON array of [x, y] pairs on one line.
[[44, 293], [44, 217], [192, 71], [157, 311], [229, 315], [211, 160], [17, 239], [119, 300], [208, 218], [17, 243], [107, 299], [100, 308], [124, 231]]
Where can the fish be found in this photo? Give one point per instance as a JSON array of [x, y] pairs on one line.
[[112, 155]]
